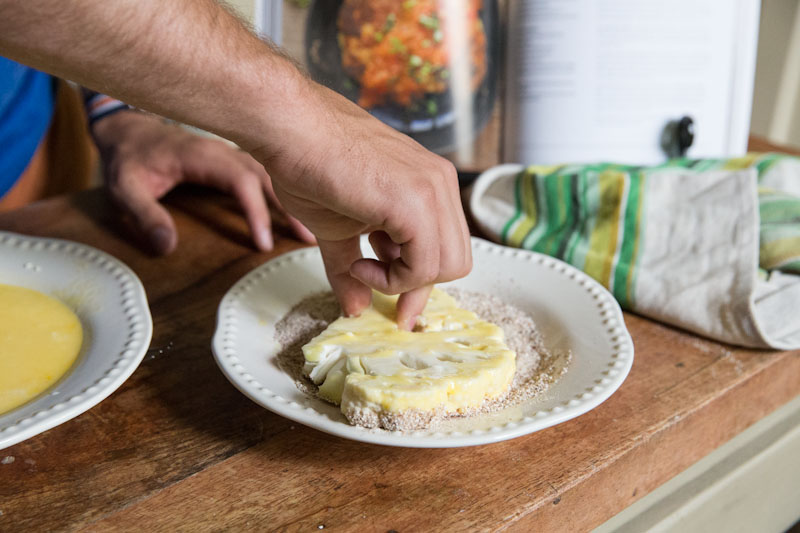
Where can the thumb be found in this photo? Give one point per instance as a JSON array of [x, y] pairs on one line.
[[337, 256], [150, 219]]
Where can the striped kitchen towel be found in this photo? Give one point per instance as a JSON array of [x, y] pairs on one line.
[[712, 246]]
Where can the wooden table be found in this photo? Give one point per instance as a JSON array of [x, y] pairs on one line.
[[178, 448]]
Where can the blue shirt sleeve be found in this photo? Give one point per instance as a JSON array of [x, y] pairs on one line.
[[27, 104]]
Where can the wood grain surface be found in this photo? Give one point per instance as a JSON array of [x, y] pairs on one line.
[[177, 448]]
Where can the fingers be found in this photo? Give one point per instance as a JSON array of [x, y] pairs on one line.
[[337, 256], [302, 232], [433, 241], [455, 259], [416, 233], [228, 169], [410, 305], [238, 173], [429, 243], [386, 249], [149, 216], [248, 192]]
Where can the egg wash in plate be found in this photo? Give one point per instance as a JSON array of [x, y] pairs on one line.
[[40, 338], [109, 303]]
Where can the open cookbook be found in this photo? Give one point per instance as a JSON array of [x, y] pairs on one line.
[[536, 81]]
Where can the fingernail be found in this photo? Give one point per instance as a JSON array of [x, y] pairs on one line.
[[264, 238], [351, 311], [161, 238], [411, 323]]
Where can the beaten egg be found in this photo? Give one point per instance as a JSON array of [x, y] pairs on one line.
[[40, 339]]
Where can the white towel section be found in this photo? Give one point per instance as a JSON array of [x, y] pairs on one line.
[[698, 263]]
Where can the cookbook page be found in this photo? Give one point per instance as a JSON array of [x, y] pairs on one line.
[[591, 80]]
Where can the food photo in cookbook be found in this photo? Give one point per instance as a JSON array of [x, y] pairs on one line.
[[401, 60]]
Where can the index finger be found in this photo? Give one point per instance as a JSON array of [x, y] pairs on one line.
[[410, 305], [337, 256], [417, 236]]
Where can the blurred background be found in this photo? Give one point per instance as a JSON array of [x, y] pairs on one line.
[[766, 86], [776, 113]]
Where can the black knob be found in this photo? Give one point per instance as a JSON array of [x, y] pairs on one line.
[[685, 134], [677, 137]]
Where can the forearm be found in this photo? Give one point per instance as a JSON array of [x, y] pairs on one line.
[[160, 56], [333, 166]]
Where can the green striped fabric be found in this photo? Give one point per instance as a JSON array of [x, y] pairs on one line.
[[591, 216], [780, 230]]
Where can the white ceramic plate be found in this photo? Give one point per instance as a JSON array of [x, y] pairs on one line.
[[109, 300], [572, 311]]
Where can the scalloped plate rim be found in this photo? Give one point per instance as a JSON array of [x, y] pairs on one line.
[[309, 416], [50, 409]]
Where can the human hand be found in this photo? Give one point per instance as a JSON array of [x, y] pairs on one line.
[[144, 158], [343, 173]]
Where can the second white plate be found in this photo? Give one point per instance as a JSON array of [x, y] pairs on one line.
[[573, 312], [111, 304]]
